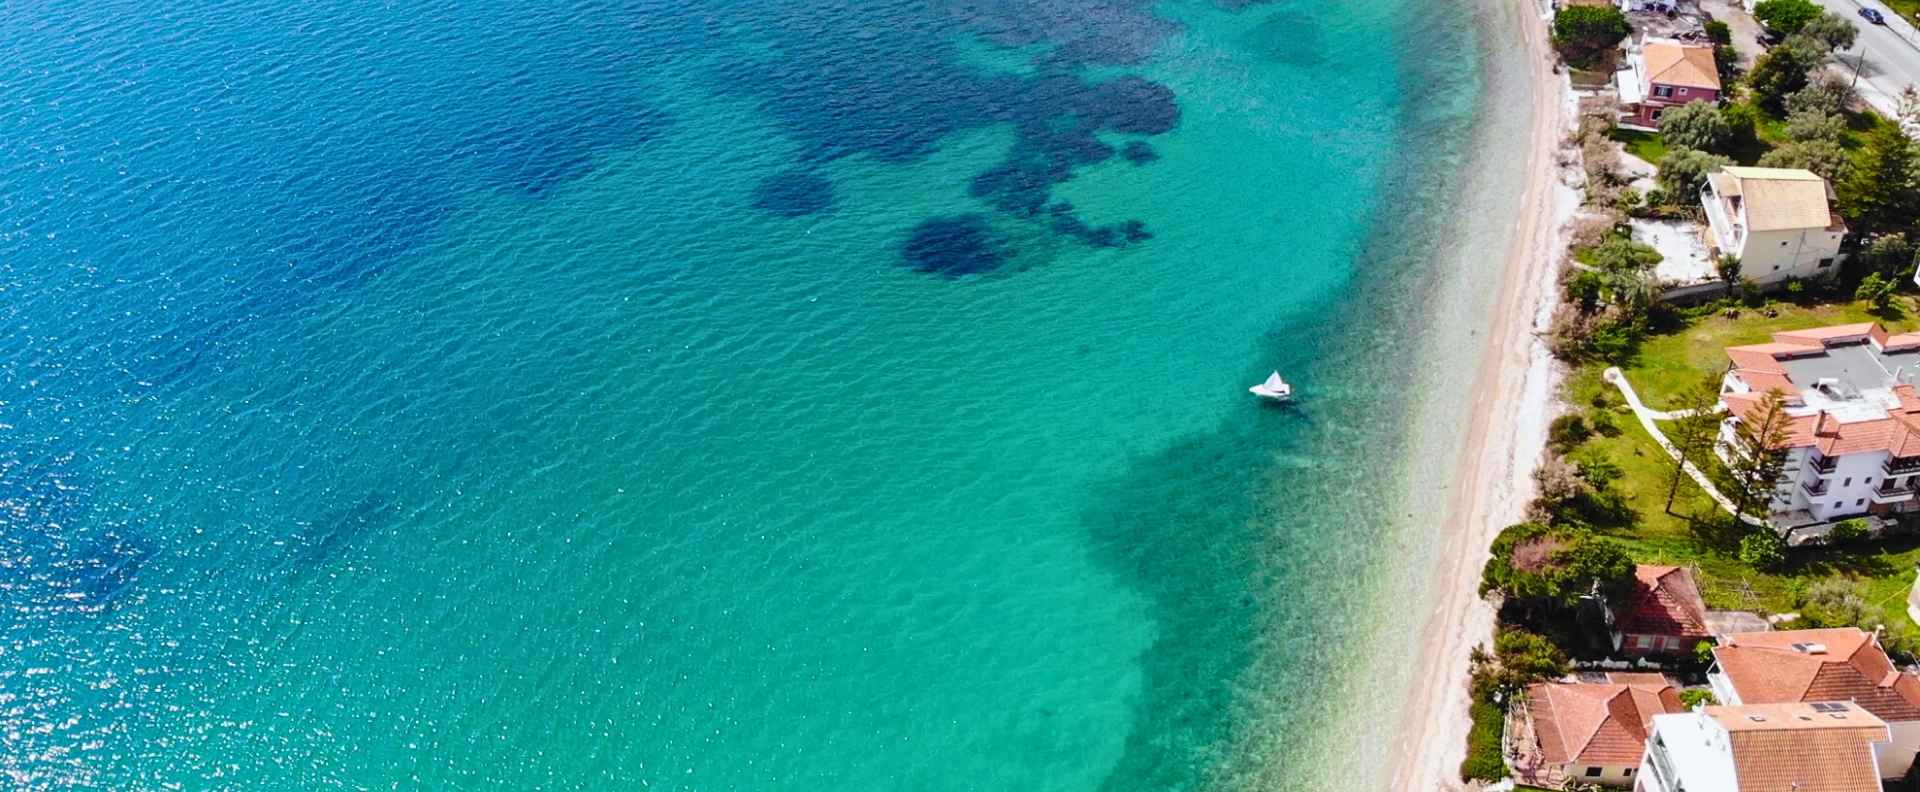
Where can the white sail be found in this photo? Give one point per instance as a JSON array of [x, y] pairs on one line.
[[1274, 388]]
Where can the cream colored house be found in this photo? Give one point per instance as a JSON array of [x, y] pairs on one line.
[[1779, 222]]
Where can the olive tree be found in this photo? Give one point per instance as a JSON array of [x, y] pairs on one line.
[[1696, 125]]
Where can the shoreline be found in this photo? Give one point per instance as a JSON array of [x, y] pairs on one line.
[[1505, 434]]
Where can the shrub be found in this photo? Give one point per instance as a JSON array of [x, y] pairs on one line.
[[1811, 123], [1831, 29], [1684, 171], [1742, 121], [1696, 125], [1484, 761], [1763, 549], [1726, 61], [1698, 697], [1786, 16], [1582, 33], [1568, 431], [1591, 229], [1834, 602], [1876, 291], [1825, 157], [1846, 531], [1891, 255], [1718, 32], [1827, 95], [1604, 426]]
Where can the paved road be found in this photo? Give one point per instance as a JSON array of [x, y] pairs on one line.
[[1888, 55]]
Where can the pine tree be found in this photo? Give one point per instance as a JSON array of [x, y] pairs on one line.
[[1760, 462], [1882, 191], [1693, 433]]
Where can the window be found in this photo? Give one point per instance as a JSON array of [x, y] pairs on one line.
[[1826, 262], [1663, 91], [1783, 244], [1860, 502], [1630, 771], [1683, 91], [1838, 504], [1848, 482], [1593, 772]]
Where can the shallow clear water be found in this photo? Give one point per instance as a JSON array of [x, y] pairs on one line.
[[707, 396]]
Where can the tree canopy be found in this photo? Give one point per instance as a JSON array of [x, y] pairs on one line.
[[1556, 566], [1825, 157], [1784, 70], [1583, 32], [1832, 29], [1696, 125], [1786, 16], [1881, 192], [1683, 171]]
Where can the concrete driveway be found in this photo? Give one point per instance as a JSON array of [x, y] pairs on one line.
[[1746, 31], [1887, 56]]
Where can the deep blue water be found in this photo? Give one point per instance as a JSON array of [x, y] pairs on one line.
[[746, 395]]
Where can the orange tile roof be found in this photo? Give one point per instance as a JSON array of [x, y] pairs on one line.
[[1765, 668], [1818, 336], [1673, 63], [1665, 601], [1758, 365], [1797, 747], [1599, 723]]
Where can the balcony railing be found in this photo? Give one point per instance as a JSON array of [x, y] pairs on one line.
[[1816, 489], [1823, 465], [1899, 466], [1892, 493], [1727, 233]]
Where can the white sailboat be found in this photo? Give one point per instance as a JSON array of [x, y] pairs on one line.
[[1274, 388]]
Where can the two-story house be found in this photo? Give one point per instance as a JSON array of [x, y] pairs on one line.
[[1664, 615], [1779, 222], [1852, 431], [1817, 747], [1665, 73]]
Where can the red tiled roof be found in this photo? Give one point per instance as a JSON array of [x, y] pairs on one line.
[[1599, 724], [1758, 365], [1796, 747], [1665, 601], [1765, 668], [1819, 336]]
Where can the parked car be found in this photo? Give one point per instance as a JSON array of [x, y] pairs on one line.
[[1872, 16]]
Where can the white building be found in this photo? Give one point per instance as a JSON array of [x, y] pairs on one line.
[[1853, 431], [1807, 666], [1822, 747], [1779, 222]]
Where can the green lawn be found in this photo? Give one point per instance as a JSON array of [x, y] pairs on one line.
[[1667, 364], [1695, 531], [1645, 145]]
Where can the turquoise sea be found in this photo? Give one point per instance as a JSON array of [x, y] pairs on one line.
[[617, 394]]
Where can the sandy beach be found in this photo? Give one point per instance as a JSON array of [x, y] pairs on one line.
[[1506, 433]]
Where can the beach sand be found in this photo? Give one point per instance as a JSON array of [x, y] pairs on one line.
[[1513, 402]]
